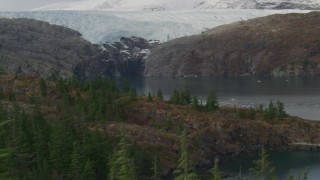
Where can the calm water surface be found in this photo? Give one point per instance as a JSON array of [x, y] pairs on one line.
[[301, 96], [284, 162]]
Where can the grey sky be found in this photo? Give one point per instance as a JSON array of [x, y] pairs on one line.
[[23, 5]]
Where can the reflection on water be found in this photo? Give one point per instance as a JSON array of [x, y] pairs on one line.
[[283, 162], [301, 95]]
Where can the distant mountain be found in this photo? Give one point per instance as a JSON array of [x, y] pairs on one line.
[[158, 5], [34, 47], [276, 45]]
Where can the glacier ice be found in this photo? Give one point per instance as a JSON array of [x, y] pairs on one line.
[[134, 5], [109, 26]]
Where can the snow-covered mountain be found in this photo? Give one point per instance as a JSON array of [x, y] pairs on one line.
[[138, 5], [99, 27]]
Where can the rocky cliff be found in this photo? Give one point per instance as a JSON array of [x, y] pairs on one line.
[[34, 47], [273, 45], [124, 58]]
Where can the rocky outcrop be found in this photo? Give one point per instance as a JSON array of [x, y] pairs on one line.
[[221, 134], [34, 47], [277, 45], [130, 54], [124, 58]]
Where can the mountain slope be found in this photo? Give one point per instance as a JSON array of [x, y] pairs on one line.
[[34, 47], [272, 45], [103, 5]]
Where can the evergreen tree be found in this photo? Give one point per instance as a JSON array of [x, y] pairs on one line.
[[1, 93], [133, 93], [305, 174], [32, 99], [195, 103], [88, 172], [290, 176], [61, 86], [43, 87], [155, 169], [281, 112], [121, 165], [185, 96], [175, 98], [3, 113], [75, 166], [184, 170], [24, 153], [263, 167], [11, 95], [216, 172], [271, 111], [41, 131], [159, 94], [212, 102], [60, 150], [300, 175], [126, 86], [149, 98]]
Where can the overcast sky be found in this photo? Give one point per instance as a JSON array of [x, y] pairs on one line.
[[23, 5]]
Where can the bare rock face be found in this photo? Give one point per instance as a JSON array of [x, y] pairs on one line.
[[36, 47], [129, 54], [277, 45]]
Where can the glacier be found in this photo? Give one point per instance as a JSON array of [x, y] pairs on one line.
[[108, 26], [134, 5]]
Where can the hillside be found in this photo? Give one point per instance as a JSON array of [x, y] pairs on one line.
[[275, 45], [55, 128], [32, 47], [160, 5]]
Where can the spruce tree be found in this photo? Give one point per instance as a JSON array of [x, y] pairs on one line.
[[43, 87], [121, 165], [149, 98], [185, 96], [11, 95], [60, 150], [195, 103], [88, 172], [155, 169], [216, 172], [212, 101], [263, 167], [175, 98], [41, 131], [133, 93], [290, 176], [184, 170], [281, 111], [76, 165], [24, 152], [126, 86], [159, 94], [271, 112], [1, 93]]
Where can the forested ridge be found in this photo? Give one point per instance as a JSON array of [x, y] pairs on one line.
[[63, 129]]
